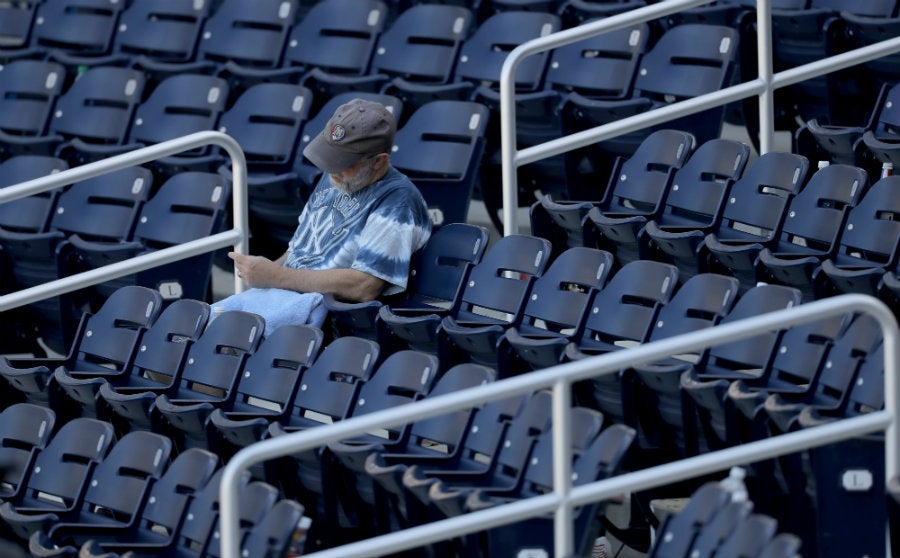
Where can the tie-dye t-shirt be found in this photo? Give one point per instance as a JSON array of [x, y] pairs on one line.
[[375, 230]]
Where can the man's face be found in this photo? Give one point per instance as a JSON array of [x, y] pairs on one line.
[[356, 177]]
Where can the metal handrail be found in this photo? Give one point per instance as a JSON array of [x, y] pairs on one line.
[[764, 86], [560, 379], [236, 237]]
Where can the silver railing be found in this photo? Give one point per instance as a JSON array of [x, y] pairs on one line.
[[236, 236], [565, 497], [763, 86]]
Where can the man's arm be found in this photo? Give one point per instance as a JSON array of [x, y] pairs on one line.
[[347, 284]]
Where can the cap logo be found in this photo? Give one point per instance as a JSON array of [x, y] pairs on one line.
[[338, 133]]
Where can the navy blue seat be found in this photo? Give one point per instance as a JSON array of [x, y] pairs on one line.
[[810, 232], [440, 149], [436, 277], [555, 308], [694, 202], [867, 244], [25, 428], [28, 91], [269, 381], [105, 343], [500, 283]]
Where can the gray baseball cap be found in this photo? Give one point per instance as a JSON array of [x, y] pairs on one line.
[[357, 130]]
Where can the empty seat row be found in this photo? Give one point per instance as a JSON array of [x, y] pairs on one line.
[[76, 483]]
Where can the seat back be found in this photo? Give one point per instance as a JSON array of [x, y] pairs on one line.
[[439, 269], [749, 357], [440, 149], [501, 280], [98, 107], [180, 105], [403, 377], [266, 120], [165, 344], [83, 27], [24, 428], [558, 298], [699, 187], [757, 202], [216, 358], [603, 66], [247, 34], [483, 54], [270, 375], [16, 21], [701, 302], [815, 215], [119, 482], [30, 214], [61, 469], [870, 233], [329, 386], [623, 312], [445, 433], [337, 36], [103, 208], [423, 43], [801, 354], [687, 61], [638, 183], [162, 30], [28, 89]]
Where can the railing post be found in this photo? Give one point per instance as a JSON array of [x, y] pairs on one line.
[[764, 64]]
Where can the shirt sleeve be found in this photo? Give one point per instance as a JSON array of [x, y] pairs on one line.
[[393, 232]]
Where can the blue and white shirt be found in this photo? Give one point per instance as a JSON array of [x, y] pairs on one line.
[[375, 230]]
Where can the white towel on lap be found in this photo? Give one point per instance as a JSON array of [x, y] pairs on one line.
[[278, 307]]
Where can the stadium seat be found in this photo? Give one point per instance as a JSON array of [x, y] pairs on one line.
[[160, 30], [209, 374], [269, 380], [434, 438], [753, 215], [117, 491], [162, 346], [188, 206], [59, 476], [226, 342], [595, 458], [96, 109], [161, 515], [635, 187], [179, 105], [30, 214], [701, 302], [100, 209], [556, 306], [495, 293], [104, 343], [436, 277], [686, 61], [25, 428], [691, 209], [74, 27], [404, 377], [335, 38], [828, 389], [235, 36], [440, 149], [636, 190], [28, 91], [812, 225], [16, 21], [711, 169], [866, 246]]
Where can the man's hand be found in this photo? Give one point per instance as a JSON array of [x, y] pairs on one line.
[[256, 271]]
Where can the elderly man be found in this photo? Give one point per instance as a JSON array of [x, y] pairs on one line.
[[357, 233]]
